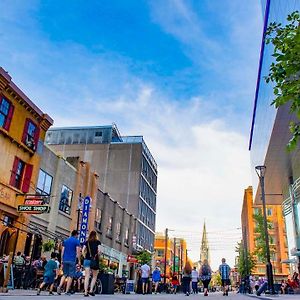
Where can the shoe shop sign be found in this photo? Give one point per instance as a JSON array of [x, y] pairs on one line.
[[85, 219], [34, 204]]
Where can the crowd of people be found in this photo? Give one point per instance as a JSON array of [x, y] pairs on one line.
[[190, 279]]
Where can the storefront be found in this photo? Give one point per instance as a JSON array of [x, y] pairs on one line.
[[114, 259]]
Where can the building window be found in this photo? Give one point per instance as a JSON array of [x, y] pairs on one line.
[[269, 212], [126, 238], [256, 210], [98, 133], [44, 183], [118, 232], [160, 252], [30, 135], [109, 226], [65, 200], [21, 175], [98, 218], [6, 112], [7, 220]]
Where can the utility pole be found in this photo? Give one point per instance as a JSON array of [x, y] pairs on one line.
[[260, 170], [174, 255], [165, 262]]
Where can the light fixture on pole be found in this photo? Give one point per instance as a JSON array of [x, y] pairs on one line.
[[261, 171]]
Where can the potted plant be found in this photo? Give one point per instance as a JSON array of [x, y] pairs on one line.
[[48, 247]]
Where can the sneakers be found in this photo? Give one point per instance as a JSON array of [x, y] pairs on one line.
[[92, 293], [86, 295], [51, 293], [38, 292], [68, 294], [58, 291]]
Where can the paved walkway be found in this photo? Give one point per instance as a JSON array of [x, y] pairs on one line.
[[19, 294]]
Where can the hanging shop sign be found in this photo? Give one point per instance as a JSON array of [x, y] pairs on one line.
[[85, 219], [34, 209], [36, 199]]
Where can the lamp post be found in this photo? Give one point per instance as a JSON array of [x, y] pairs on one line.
[[261, 171], [165, 262]]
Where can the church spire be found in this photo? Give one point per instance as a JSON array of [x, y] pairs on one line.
[[204, 251]]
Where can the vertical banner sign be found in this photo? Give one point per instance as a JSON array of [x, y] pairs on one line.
[[85, 219]]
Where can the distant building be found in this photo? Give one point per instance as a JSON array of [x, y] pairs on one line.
[[277, 236], [22, 131], [204, 250], [176, 255], [127, 170], [270, 134]]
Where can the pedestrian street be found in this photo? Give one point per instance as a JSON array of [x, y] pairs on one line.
[[19, 294]]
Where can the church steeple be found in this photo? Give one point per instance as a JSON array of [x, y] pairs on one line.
[[204, 251]]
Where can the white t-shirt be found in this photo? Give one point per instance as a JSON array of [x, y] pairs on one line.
[[145, 271], [195, 276]]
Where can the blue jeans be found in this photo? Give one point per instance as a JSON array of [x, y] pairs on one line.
[[195, 287], [186, 284]]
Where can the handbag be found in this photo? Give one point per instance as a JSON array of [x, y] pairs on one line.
[[94, 265]]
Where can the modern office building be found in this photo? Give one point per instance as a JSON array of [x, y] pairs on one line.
[[278, 239], [270, 135], [127, 170]]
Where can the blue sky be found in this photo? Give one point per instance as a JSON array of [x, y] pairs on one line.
[[181, 73]]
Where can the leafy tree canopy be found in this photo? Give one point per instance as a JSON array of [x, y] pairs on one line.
[[284, 72], [144, 257], [246, 260]]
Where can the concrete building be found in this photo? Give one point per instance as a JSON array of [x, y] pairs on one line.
[[277, 236], [62, 183], [116, 227], [270, 135], [22, 131], [127, 170]]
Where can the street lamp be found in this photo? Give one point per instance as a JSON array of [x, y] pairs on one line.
[[261, 171]]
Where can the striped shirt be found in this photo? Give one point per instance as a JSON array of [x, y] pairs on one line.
[[224, 270]]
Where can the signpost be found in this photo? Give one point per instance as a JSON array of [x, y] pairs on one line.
[[85, 219]]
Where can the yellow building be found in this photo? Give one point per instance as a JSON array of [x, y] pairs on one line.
[[22, 131], [277, 235], [176, 255]]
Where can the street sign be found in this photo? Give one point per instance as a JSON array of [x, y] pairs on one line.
[[85, 219], [34, 209]]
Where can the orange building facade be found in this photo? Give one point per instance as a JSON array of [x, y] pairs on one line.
[[176, 255], [22, 132], [277, 235]]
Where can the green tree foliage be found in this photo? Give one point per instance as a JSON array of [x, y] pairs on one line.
[[144, 257], [246, 260], [260, 239], [284, 72], [216, 279]]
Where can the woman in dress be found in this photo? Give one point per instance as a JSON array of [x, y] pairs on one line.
[[205, 275], [91, 249]]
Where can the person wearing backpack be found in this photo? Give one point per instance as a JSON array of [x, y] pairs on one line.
[[91, 250], [205, 275]]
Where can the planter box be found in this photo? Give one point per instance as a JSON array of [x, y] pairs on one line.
[[108, 283]]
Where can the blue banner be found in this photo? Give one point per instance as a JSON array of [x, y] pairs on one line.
[[85, 219]]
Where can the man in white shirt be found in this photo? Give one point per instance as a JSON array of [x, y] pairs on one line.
[[145, 277]]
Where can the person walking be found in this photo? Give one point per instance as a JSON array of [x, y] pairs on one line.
[[145, 269], [156, 277], [195, 279], [205, 275], [50, 274], [224, 271], [70, 250], [91, 249], [186, 278], [19, 267]]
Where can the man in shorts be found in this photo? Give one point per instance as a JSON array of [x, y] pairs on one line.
[[145, 277], [70, 250], [224, 270]]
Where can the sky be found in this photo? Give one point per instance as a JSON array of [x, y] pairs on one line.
[[180, 73]]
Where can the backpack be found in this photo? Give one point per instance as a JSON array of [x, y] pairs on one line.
[[205, 271]]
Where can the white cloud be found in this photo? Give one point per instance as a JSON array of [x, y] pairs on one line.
[[202, 156]]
